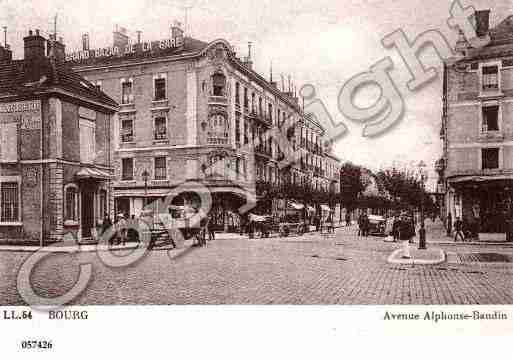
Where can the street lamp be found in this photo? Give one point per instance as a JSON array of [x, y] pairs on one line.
[[422, 231], [145, 175]]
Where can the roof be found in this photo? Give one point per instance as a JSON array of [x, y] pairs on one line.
[[502, 33], [16, 80]]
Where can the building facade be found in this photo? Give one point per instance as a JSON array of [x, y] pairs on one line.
[[193, 112], [476, 170], [55, 154]]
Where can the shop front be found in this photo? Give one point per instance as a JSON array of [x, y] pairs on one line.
[[484, 203]]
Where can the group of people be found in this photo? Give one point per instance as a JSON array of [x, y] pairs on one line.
[[118, 232], [403, 227]]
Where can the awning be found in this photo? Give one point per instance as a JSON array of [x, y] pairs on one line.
[[480, 178], [295, 205], [325, 208], [92, 173]]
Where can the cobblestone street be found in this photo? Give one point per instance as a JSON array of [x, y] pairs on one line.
[[312, 269]]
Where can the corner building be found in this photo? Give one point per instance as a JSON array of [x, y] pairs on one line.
[[186, 105], [477, 128], [55, 154]]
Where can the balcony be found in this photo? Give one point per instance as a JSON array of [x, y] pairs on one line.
[[490, 136], [218, 100], [217, 140]]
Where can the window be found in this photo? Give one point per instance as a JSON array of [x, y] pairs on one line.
[[253, 103], [260, 112], [126, 93], [270, 106], [490, 77], [127, 130], [9, 142], [490, 118], [103, 202], [218, 129], [160, 168], [237, 129], [98, 85], [160, 89], [246, 100], [218, 84], [490, 158], [71, 206], [160, 129], [237, 93], [87, 140], [127, 169], [10, 202]]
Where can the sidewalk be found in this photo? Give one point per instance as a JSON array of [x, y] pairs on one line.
[[437, 234], [64, 247]]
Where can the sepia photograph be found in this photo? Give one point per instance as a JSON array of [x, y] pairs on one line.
[[197, 152], [190, 155]]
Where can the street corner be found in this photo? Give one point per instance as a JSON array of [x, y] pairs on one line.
[[412, 256]]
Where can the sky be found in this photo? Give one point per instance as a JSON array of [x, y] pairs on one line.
[[318, 42]]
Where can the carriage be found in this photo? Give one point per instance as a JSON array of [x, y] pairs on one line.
[[181, 222]]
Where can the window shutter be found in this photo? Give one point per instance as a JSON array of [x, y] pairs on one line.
[[9, 142]]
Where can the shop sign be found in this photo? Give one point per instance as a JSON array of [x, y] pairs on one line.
[[26, 113], [128, 50]]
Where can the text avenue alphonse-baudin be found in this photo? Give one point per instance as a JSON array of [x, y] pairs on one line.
[[441, 315]]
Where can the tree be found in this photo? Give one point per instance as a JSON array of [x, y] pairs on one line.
[[403, 185], [352, 184]]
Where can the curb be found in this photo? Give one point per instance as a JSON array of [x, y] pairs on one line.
[[392, 259], [68, 249]]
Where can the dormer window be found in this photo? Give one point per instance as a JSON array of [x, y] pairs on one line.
[[218, 84], [490, 77]]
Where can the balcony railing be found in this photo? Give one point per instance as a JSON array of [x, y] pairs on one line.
[[217, 140]]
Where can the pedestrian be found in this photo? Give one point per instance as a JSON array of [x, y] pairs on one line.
[[449, 225], [106, 223], [348, 219], [458, 228], [210, 229], [366, 224], [121, 229], [360, 224], [404, 228], [395, 227]]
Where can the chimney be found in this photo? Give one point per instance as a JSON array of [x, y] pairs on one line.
[[177, 31], [85, 42], [34, 46], [482, 19], [120, 37], [247, 60], [5, 53], [56, 48]]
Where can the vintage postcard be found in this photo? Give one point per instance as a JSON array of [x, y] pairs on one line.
[[348, 159]]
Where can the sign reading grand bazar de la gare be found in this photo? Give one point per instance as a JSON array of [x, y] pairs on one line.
[[144, 48]]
